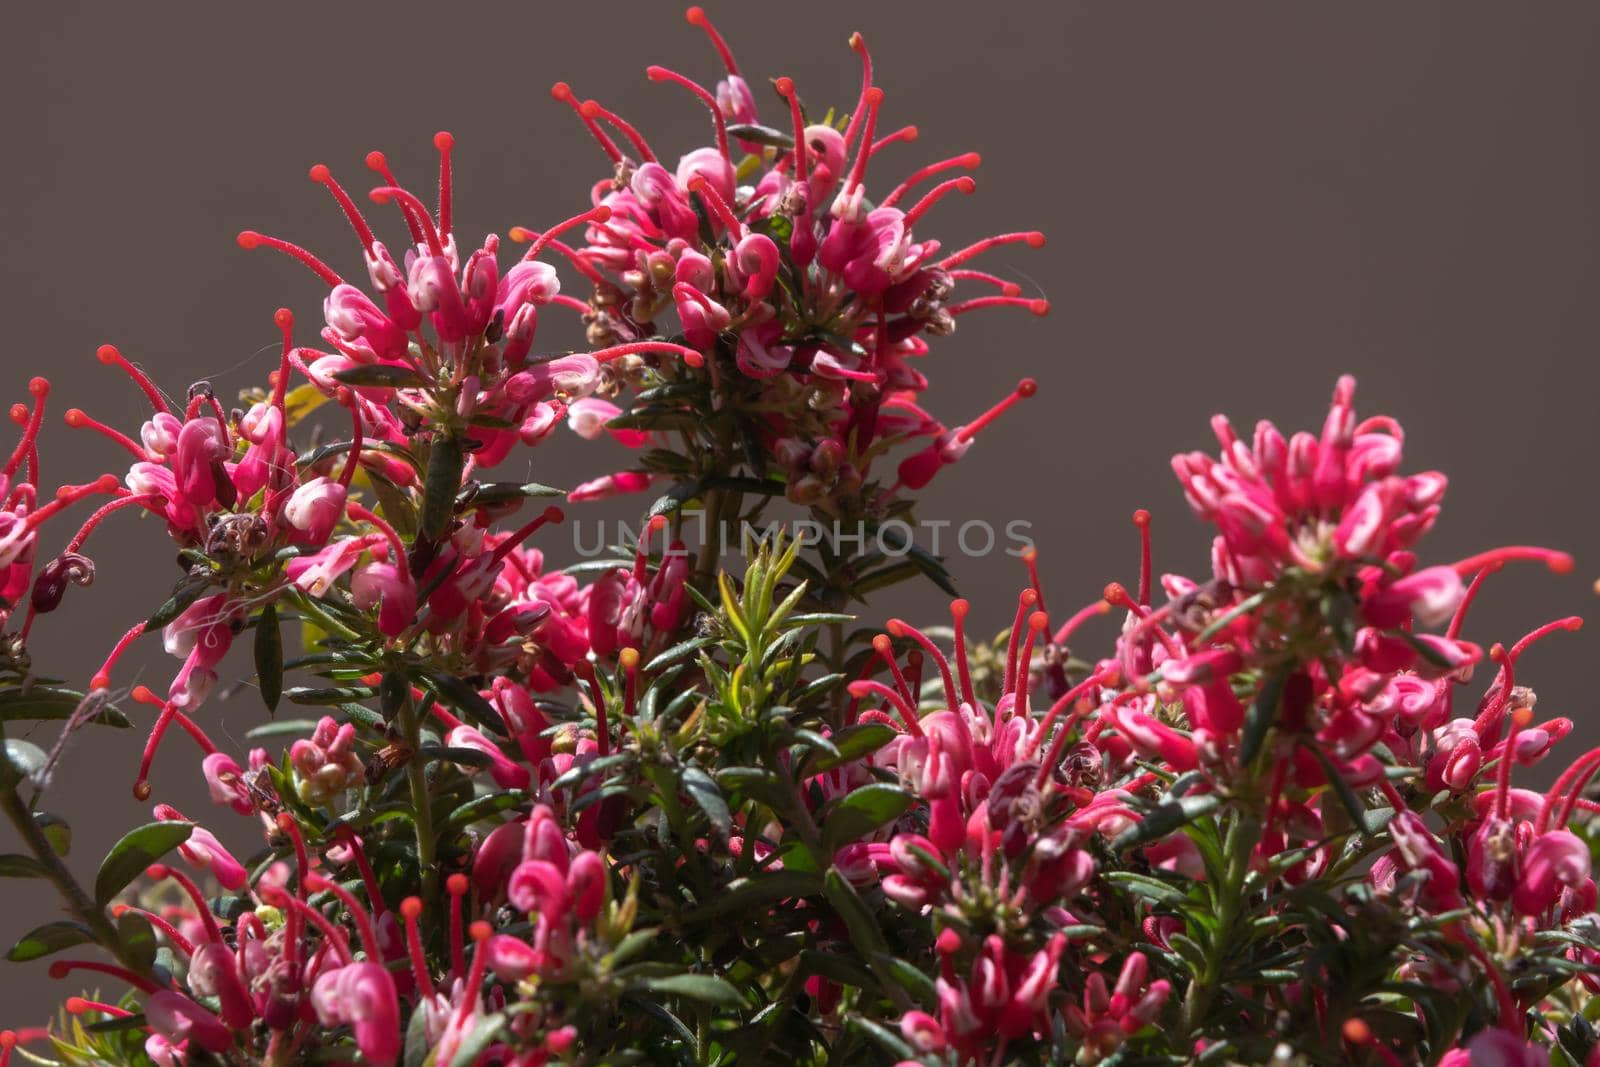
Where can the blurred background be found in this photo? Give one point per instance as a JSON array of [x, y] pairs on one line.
[[1243, 200]]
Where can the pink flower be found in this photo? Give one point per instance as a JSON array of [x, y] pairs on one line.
[[361, 996]]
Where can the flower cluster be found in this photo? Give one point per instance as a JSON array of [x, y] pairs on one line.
[[643, 809]]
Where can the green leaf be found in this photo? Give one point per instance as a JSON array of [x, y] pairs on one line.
[[501, 494], [762, 135], [862, 811], [1165, 819], [704, 987], [749, 893], [380, 376], [323, 696], [417, 1047], [440, 486], [482, 1036], [702, 789], [23, 758], [137, 938], [55, 830], [13, 865], [269, 657], [137, 850], [46, 703], [1262, 714], [852, 743], [281, 728], [464, 698], [1152, 889], [394, 502], [1341, 788], [47, 939], [186, 592], [865, 931]]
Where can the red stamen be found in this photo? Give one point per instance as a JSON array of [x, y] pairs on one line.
[[158, 871], [690, 356], [718, 206], [540, 240], [1008, 288], [109, 355], [410, 910], [885, 650], [361, 514], [322, 176], [249, 239], [597, 697], [802, 167], [145, 499], [283, 318], [379, 164], [1062, 703], [869, 686], [858, 44], [958, 615], [872, 98], [970, 161], [908, 134], [40, 388], [696, 16], [1559, 562], [335, 936], [966, 185], [456, 886], [368, 877], [1033, 304], [69, 495], [641, 555], [77, 419], [1026, 600], [1141, 519], [79, 1006], [1025, 388], [384, 193], [503, 549], [1099, 607], [593, 109], [900, 628], [1030, 560], [444, 141], [563, 92], [663, 74], [1460, 616], [369, 936], [481, 932], [102, 678], [1032, 238], [172, 933], [61, 968], [1037, 622]]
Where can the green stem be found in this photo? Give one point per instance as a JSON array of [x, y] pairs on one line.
[[78, 901], [1240, 845], [417, 779]]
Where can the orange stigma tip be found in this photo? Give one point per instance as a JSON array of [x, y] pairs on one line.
[[58, 971], [966, 185], [601, 213], [1036, 240], [561, 91], [911, 134], [456, 885], [285, 822], [857, 41], [39, 387], [1497, 652], [100, 681], [959, 607], [657, 522], [1038, 620], [1028, 597], [380, 196], [283, 317], [410, 908], [444, 140], [143, 695], [785, 86], [248, 239], [1357, 1032], [628, 658], [1011, 289], [76, 1005], [7, 1037], [873, 96], [1040, 307], [481, 931], [319, 173], [156, 871], [1141, 517], [695, 16], [19, 414], [554, 514], [377, 160], [107, 354], [971, 159], [1575, 624], [1027, 387], [896, 628], [1116, 594], [141, 791], [589, 109], [117, 910], [881, 642], [520, 235], [1561, 563], [1522, 717]]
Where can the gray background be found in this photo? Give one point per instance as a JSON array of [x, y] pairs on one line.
[[1243, 200]]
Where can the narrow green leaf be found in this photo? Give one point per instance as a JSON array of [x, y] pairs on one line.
[[703, 987], [55, 830], [1167, 818], [13, 865], [380, 375], [702, 789], [137, 850], [269, 657], [47, 939], [854, 742], [47, 703], [1262, 714], [862, 811], [440, 486], [474, 1044]]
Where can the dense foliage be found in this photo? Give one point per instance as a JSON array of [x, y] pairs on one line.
[[648, 809]]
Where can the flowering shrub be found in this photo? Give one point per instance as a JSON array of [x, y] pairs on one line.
[[657, 812]]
